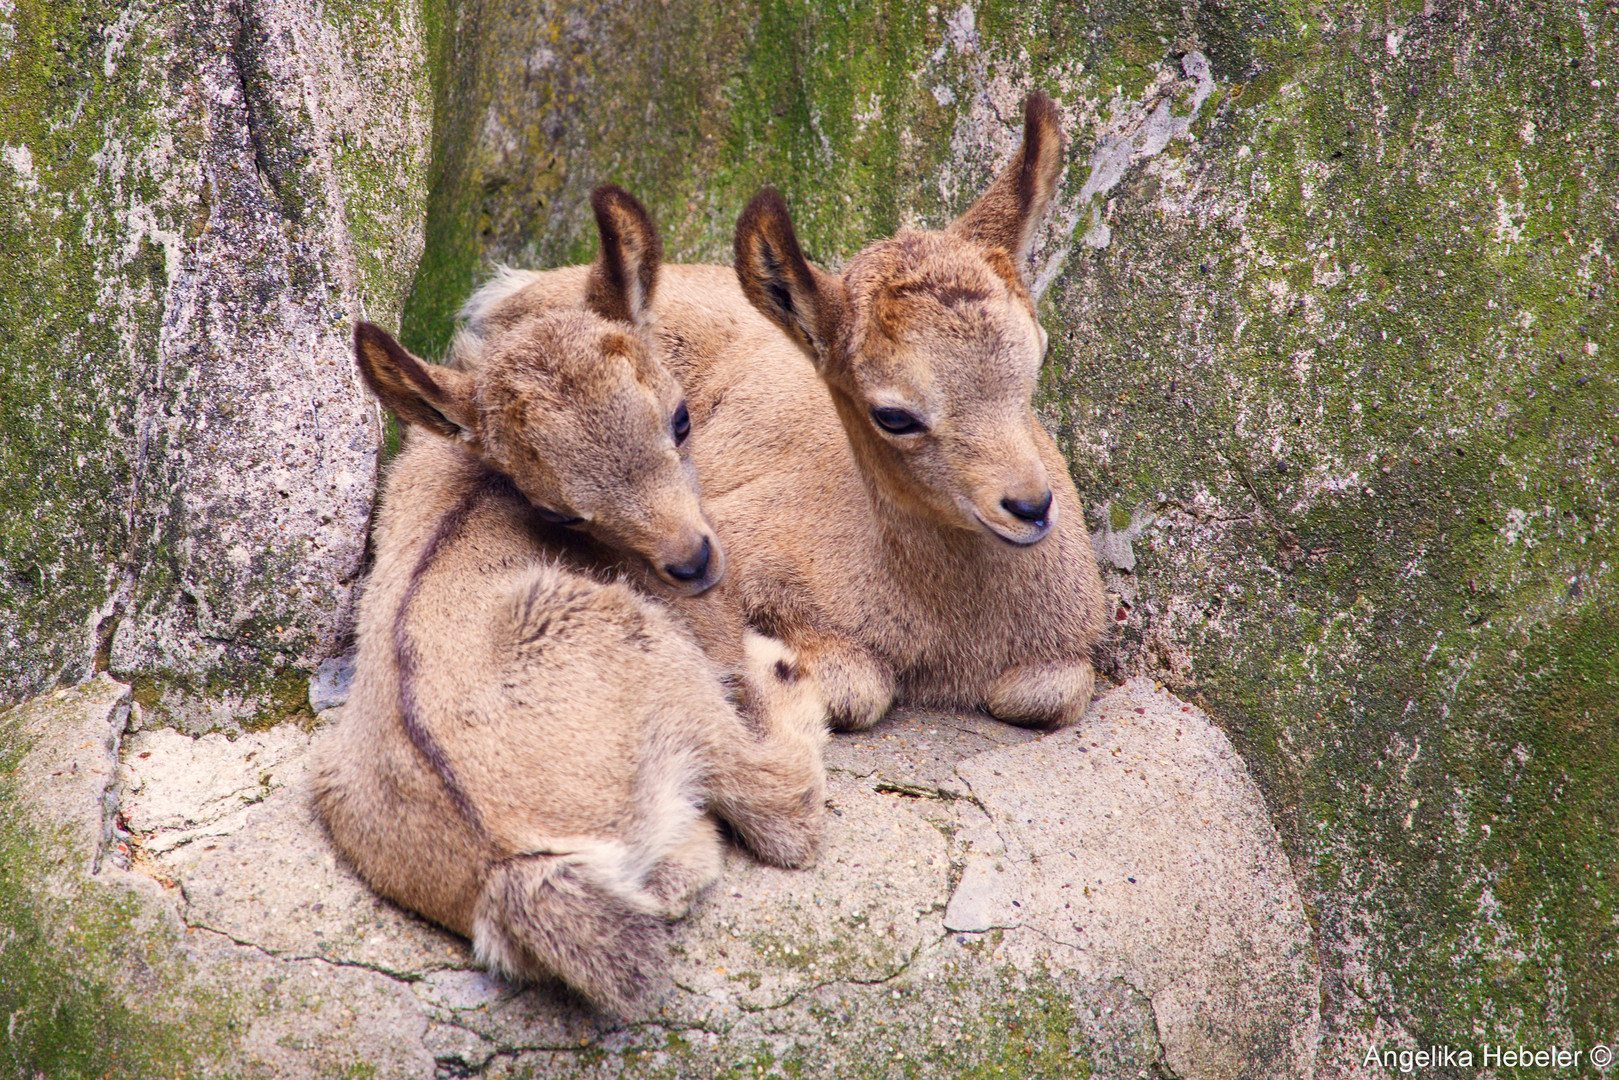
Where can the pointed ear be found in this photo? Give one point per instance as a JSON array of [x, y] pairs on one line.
[[807, 303], [1007, 214], [436, 398], [625, 273]]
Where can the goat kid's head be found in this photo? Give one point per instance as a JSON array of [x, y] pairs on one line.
[[575, 406], [929, 343]]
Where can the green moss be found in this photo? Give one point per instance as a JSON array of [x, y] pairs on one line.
[[100, 203], [1037, 1037], [65, 478], [1413, 451]]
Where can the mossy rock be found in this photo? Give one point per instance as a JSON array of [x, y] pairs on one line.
[[195, 202]]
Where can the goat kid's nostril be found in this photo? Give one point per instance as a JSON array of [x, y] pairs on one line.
[[693, 568], [1032, 512]]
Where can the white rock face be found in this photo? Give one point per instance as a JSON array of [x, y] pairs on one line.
[[177, 788], [972, 910]]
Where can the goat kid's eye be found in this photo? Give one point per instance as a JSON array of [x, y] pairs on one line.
[[555, 518], [681, 424], [897, 421]]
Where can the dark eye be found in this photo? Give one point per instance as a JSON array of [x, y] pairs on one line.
[[897, 421], [556, 518], [681, 424]]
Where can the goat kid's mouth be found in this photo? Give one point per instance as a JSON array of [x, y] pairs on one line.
[[1024, 534]]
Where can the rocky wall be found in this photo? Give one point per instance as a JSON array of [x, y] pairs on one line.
[[1331, 298], [196, 200]]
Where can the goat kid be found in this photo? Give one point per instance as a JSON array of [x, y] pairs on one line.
[[534, 752], [894, 510]]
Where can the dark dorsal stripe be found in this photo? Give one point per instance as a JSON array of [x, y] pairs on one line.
[[487, 484]]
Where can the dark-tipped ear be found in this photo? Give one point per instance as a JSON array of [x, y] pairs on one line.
[[625, 273], [776, 278], [1007, 214], [437, 398]]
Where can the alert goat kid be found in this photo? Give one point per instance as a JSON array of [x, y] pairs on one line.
[[894, 510], [533, 756]]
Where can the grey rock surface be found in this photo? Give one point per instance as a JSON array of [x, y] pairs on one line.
[[972, 913], [330, 686], [208, 195], [101, 962], [1138, 838], [69, 743]]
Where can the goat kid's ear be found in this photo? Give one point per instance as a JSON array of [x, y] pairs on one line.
[[436, 398], [807, 303], [625, 273], [1007, 214]]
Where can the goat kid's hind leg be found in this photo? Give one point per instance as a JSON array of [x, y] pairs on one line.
[[771, 786], [780, 701], [774, 796], [1041, 695], [688, 870]]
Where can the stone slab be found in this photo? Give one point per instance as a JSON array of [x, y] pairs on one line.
[[980, 921]]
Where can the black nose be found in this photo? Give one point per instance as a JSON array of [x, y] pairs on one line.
[[1032, 512], [693, 568]]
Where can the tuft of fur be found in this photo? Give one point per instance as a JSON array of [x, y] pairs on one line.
[[541, 916], [792, 704], [507, 282]]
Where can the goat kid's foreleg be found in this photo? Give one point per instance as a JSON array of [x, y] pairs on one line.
[[1041, 695]]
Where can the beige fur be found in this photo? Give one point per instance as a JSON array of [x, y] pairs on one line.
[[892, 564], [533, 753]]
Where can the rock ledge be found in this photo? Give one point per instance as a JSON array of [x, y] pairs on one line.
[[1109, 898]]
